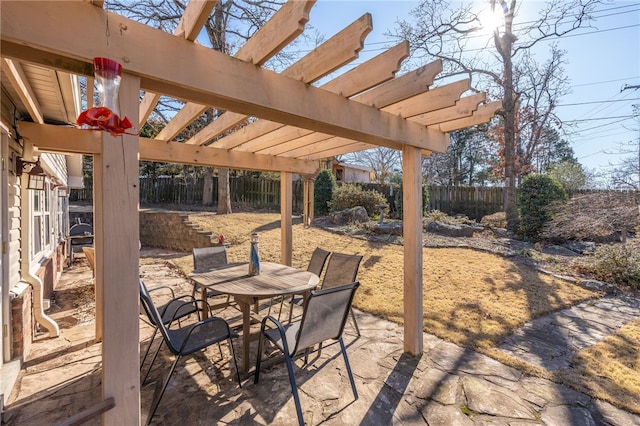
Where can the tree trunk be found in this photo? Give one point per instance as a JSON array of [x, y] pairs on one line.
[[207, 190], [504, 46], [224, 192]]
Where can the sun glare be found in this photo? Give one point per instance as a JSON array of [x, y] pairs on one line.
[[491, 19]]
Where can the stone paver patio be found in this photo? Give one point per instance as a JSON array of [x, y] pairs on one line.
[[449, 385]]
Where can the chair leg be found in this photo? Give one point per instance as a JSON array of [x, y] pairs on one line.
[[151, 365], [291, 305], [164, 387], [235, 362], [153, 336], [346, 362], [281, 306], [294, 389], [355, 323], [256, 375]]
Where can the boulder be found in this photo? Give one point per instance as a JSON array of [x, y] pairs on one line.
[[389, 228], [353, 215], [452, 230]]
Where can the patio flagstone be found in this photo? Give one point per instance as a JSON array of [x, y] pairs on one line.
[[448, 385]]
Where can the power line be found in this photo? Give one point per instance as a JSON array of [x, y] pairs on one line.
[[624, 117], [598, 102], [605, 82]]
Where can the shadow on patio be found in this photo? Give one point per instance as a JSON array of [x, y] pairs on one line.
[[448, 385]]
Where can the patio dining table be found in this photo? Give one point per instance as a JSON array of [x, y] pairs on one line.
[[274, 280]]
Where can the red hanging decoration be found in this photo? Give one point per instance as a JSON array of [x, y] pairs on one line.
[[106, 116]]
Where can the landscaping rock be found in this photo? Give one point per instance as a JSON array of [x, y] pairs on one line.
[[599, 286], [353, 215], [580, 247], [451, 230], [390, 228], [559, 251]]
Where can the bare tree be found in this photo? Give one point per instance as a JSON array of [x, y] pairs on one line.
[[231, 23], [383, 161], [626, 173], [455, 35]]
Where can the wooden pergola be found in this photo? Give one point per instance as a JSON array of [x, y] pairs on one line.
[[296, 125]]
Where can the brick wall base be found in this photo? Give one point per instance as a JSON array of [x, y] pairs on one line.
[[21, 322]]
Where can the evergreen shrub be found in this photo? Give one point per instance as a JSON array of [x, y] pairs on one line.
[[535, 195], [323, 188]]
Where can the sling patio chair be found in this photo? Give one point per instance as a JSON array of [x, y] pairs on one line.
[[342, 269], [174, 309], [206, 258], [325, 314], [316, 265], [185, 340]]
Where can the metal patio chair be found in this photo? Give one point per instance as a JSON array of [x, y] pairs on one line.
[[205, 258], [324, 316], [342, 269], [316, 265], [173, 310], [186, 340]]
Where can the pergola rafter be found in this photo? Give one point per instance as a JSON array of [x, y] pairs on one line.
[[293, 125]]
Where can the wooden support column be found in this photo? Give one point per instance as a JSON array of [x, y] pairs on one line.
[[307, 199], [98, 242], [286, 212], [412, 235], [116, 195]]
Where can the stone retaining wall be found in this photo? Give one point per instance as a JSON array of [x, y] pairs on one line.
[[173, 230]]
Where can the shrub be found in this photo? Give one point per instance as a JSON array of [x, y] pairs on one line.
[[495, 220], [438, 216], [323, 188], [535, 195], [616, 264], [425, 200], [347, 196], [597, 216]]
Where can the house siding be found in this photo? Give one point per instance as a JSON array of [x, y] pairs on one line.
[[49, 268]]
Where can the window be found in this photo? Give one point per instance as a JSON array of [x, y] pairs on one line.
[[41, 229]]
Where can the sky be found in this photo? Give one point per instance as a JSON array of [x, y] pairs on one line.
[[603, 66]]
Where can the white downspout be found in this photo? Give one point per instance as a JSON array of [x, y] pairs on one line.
[[25, 265]]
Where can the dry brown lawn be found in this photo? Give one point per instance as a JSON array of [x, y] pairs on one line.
[[472, 298]]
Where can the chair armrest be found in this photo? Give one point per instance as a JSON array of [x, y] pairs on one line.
[[178, 306], [163, 287], [280, 327], [209, 332]]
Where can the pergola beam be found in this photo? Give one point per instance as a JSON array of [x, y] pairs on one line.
[[256, 136], [330, 55], [212, 78], [464, 107], [286, 25], [482, 115], [193, 19], [52, 138]]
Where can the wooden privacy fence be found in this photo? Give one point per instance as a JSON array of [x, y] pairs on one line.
[[473, 202], [249, 191]]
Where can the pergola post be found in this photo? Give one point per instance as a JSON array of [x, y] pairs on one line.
[[307, 199], [412, 235], [116, 180], [286, 212]]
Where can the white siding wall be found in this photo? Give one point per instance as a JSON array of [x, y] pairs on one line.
[[355, 175]]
